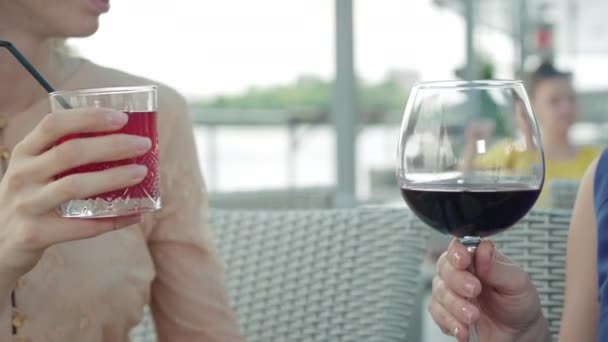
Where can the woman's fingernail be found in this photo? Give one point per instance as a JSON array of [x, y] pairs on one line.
[[142, 144], [469, 288], [138, 172], [456, 332], [468, 314], [117, 119], [457, 258]]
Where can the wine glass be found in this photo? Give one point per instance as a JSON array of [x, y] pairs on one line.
[[470, 159]]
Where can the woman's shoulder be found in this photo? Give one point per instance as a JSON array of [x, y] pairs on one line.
[[598, 174], [171, 103]]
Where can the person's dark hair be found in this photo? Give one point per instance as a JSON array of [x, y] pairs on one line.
[[545, 71]]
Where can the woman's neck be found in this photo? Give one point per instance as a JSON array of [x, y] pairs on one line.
[[18, 90], [558, 147]]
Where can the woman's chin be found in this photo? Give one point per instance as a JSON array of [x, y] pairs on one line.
[[83, 29]]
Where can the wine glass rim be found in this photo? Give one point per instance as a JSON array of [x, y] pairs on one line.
[[474, 84]]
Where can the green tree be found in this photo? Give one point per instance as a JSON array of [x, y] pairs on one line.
[[385, 96], [305, 94], [314, 95]]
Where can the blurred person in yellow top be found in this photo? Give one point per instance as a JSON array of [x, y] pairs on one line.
[[554, 103]]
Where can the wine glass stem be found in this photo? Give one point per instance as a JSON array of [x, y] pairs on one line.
[[471, 243]]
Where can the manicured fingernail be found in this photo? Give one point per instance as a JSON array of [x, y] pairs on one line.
[[469, 288], [456, 332], [468, 314], [142, 144], [457, 258], [138, 172], [117, 119]]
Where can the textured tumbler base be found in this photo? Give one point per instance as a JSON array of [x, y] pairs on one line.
[[100, 208]]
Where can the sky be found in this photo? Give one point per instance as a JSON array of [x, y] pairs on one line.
[[210, 47], [207, 47]]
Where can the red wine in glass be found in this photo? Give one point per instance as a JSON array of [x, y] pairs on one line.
[[480, 210]]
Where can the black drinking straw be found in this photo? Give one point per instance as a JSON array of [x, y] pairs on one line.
[[30, 68]]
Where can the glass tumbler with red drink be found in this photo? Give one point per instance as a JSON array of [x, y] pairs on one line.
[[139, 103]]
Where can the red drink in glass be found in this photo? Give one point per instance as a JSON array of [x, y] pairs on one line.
[[139, 198]]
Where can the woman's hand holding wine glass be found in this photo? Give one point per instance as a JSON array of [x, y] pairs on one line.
[[508, 308]]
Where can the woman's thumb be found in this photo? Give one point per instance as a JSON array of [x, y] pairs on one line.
[[498, 271]]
